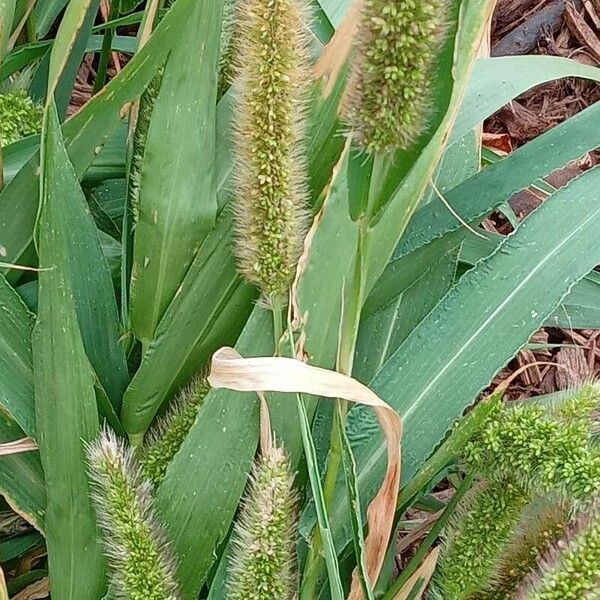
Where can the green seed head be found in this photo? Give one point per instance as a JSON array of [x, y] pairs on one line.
[[263, 561], [19, 116], [537, 446], [542, 523], [142, 567], [571, 569], [164, 439], [271, 84], [389, 94], [478, 535]]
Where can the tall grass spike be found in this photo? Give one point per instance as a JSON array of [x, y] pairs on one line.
[[263, 561], [141, 564], [271, 79]]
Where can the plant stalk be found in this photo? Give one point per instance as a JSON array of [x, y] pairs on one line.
[[350, 322]]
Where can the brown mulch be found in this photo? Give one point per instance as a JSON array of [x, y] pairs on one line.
[[575, 355]]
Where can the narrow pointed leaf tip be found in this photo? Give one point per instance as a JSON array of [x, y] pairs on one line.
[[277, 374], [271, 85], [141, 564]]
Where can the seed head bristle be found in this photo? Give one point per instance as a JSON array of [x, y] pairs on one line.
[[141, 564], [477, 536], [263, 563], [389, 93], [271, 87]]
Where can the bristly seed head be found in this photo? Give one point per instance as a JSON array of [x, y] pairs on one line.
[[19, 116], [477, 536], [271, 86], [389, 94], [263, 561], [571, 569], [142, 567], [164, 439]]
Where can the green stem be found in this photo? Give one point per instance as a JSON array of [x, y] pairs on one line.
[[347, 345], [277, 310]]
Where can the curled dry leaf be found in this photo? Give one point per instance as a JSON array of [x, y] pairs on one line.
[[277, 374], [22, 445], [423, 573]]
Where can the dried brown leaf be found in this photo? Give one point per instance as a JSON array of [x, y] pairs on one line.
[[277, 374]]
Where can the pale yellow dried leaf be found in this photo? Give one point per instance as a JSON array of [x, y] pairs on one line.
[[22, 445], [277, 374], [424, 572]]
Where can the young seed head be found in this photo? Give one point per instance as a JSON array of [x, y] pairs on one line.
[[19, 116], [542, 523], [478, 535], [263, 561], [164, 439], [571, 569], [141, 564], [271, 84], [389, 94], [530, 443]]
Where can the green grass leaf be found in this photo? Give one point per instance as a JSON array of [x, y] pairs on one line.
[[16, 383], [479, 326], [178, 192], [66, 411]]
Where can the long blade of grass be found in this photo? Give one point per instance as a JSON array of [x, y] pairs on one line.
[[496, 81], [16, 383], [521, 282], [178, 193], [66, 411]]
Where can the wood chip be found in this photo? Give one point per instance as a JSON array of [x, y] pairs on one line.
[[573, 369], [582, 31]]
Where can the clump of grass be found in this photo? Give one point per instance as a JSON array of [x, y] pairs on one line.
[[263, 562], [389, 95], [140, 561], [164, 439], [20, 116], [271, 84]]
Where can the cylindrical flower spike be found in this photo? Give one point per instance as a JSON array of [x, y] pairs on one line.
[[164, 439], [19, 116], [571, 570], [543, 523], [271, 85], [263, 563], [389, 95], [477, 537], [142, 567]]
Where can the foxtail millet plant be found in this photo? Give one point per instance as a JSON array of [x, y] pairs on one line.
[[140, 561], [271, 79], [164, 438], [542, 523], [570, 570], [20, 116], [263, 562], [477, 536], [389, 95]]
